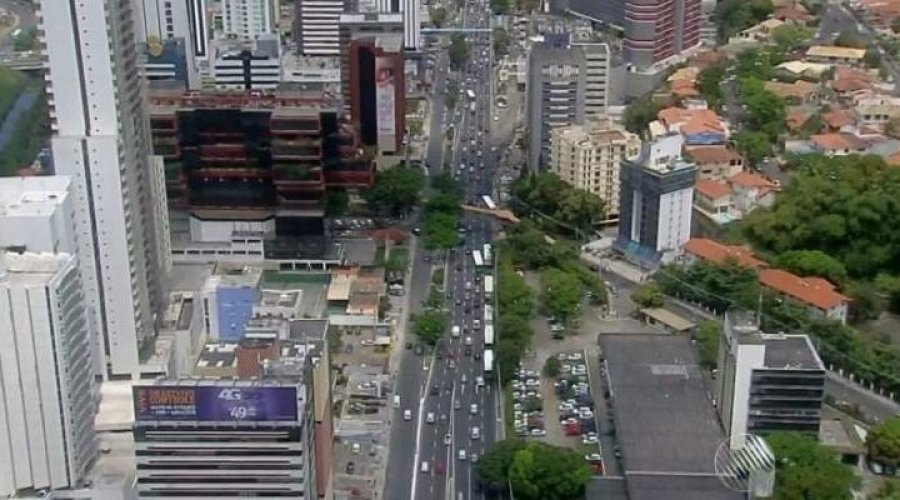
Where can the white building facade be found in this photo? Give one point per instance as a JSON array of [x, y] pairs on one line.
[[412, 24], [101, 140], [47, 438], [247, 19], [36, 214], [317, 26]]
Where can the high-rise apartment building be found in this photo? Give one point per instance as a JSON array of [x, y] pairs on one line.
[[656, 30], [316, 26], [566, 84], [377, 91], [767, 382], [655, 201], [175, 32], [412, 23], [36, 214], [247, 19], [101, 140], [588, 157], [233, 439], [47, 438]]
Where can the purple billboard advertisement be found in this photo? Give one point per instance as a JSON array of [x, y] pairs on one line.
[[215, 404]]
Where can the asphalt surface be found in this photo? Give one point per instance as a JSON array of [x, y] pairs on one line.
[[443, 386]]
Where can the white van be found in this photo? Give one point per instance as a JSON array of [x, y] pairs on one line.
[[455, 331]]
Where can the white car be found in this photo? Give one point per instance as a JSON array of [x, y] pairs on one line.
[[473, 409], [473, 458], [425, 467], [462, 454], [429, 418], [407, 415], [447, 439], [476, 433]]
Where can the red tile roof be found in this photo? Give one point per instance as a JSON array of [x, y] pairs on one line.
[[712, 189], [838, 118], [751, 180], [719, 253], [836, 142], [796, 118], [814, 291], [703, 155]]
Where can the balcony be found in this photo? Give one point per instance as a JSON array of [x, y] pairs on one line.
[[304, 149], [294, 173]]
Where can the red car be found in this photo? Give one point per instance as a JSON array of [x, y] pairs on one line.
[[439, 468]]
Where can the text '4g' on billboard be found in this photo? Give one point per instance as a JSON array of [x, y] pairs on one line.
[[215, 404]]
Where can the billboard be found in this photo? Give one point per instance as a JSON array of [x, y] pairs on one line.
[[385, 102], [215, 404]]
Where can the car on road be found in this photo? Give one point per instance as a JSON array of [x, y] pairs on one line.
[[350, 467], [447, 439], [475, 433], [473, 409], [435, 389], [429, 418], [468, 351], [425, 467], [457, 405], [473, 458], [477, 356], [468, 340], [407, 415], [439, 468], [461, 455]]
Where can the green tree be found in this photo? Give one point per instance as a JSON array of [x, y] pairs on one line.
[[501, 41], [430, 326], [562, 293], [458, 51], [514, 295], [790, 37], [765, 111], [451, 97], [753, 145], [851, 38], [494, 466], [438, 16], [872, 58], [26, 40], [648, 295], [445, 203], [865, 303], [552, 367], [707, 336], [396, 190], [528, 244], [812, 125], [709, 83], [445, 183], [895, 25], [732, 16], [439, 231], [883, 442], [544, 472], [336, 202], [640, 113], [806, 469], [500, 7], [813, 263]]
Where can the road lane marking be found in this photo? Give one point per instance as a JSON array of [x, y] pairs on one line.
[[420, 421]]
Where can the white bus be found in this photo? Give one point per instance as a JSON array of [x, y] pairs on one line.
[[488, 314], [476, 256], [470, 94], [489, 335], [488, 202], [486, 253], [488, 362], [488, 285]]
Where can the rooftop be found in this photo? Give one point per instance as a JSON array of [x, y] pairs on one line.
[[32, 196], [836, 142], [229, 275], [719, 253], [751, 180], [280, 298], [712, 154], [713, 190], [217, 355], [31, 268], [813, 291], [791, 352], [830, 51], [664, 420], [798, 90]]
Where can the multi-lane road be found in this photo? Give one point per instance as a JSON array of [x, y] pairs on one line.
[[440, 392]]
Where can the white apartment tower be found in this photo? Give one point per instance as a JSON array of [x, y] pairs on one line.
[[47, 411], [589, 157], [317, 27], [247, 19], [412, 23], [177, 19], [101, 140]]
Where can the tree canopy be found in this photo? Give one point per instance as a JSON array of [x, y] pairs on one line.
[[431, 325], [458, 51], [709, 83], [562, 293], [640, 113], [648, 295], [396, 190], [501, 41], [765, 111], [515, 301], [790, 36], [847, 208], [535, 471], [571, 209], [813, 263], [732, 16], [707, 336], [883, 442], [806, 469]]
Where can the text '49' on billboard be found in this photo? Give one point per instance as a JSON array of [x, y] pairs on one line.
[[215, 404]]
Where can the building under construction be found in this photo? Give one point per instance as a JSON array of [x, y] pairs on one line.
[[232, 153]]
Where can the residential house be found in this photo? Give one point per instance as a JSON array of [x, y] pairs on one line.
[[874, 111], [880, 13], [719, 253], [849, 80], [758, 33], [751, 191], [714, 200], [799, 92], [796, 118], [795, 13], [715, 162], [817, 294], [837, 144], [699, 126], [833, 54], [803, 69], [836, 120]]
